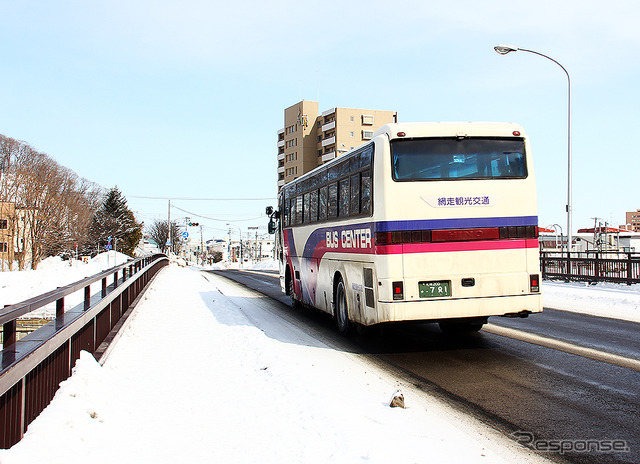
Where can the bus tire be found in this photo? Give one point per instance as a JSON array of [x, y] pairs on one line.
[[288, 284], [341, 308]]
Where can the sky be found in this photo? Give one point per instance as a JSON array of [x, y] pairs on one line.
[[183, 100]]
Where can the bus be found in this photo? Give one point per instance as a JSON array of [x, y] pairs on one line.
[[428, 222]]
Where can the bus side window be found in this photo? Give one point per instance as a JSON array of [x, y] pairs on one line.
[[287, 213], [313, 213], [307, 208], [355, 194], [332, 204], [365, 198], [323, 202], [299, 209], [343, 192]]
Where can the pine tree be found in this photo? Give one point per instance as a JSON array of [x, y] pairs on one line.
[[114, 219]]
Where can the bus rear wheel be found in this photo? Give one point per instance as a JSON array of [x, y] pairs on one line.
[[341, 309]]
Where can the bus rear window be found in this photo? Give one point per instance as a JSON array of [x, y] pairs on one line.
[[454, 159]]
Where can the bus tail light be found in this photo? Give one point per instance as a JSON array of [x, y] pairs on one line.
[[534, 280], [398, 291]]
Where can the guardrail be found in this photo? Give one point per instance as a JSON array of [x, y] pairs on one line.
[[32, 368], [615, 267]]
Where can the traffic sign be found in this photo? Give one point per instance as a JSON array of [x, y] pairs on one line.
[[108, 247], [185, 235]]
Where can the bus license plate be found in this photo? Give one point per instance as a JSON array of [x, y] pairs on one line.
[[434, 289]]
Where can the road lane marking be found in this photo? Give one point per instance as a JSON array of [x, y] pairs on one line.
[[571, 348]]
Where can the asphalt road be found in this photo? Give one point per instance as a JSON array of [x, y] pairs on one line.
[[547, 399]]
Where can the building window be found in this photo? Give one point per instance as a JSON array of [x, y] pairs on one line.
[[3, 247], [367, 120], [4, 224], [353, 134]]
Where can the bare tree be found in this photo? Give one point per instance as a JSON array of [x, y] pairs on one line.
[[158, 231], [53, 206]]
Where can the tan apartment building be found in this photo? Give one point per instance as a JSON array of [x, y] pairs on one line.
[[310, 139]]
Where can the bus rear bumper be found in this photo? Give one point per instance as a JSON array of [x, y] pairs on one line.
[[433, 310]]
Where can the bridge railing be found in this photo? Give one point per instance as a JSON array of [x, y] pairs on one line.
[[615, 267], [31, 368]]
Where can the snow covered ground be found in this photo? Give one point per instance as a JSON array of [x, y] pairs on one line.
[[617, 301], [202, 374]]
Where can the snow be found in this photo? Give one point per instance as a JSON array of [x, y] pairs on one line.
[[204, 374], [53, 272], [617, 301]]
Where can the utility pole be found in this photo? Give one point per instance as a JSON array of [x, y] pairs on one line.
[[169, 224], [255, 244], [201, 245]]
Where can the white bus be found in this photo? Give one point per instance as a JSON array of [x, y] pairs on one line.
[[427, 222]]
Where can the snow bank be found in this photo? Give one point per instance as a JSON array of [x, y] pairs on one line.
[[17, 286], [604, 299], [268, 265]]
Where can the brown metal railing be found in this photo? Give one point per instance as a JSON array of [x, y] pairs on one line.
[[32, 368], [591, 266]]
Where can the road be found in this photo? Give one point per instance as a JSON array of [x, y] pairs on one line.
[[543, 397]]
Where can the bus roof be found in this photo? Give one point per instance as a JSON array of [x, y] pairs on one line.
[[451, 129]]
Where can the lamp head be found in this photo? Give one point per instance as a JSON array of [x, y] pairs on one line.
[[504, 49]]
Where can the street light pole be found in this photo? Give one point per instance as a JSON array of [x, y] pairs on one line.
[[503, 50]]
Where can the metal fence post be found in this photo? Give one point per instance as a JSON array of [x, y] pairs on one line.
[[87, 297], [60, 307]]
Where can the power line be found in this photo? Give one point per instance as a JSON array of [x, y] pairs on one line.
[[201, 199], [215, 219]]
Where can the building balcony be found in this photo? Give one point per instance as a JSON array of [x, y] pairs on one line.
[[328, 112], [281, 156], [280, 143], [329, 126], [329, 141], [281, 183], [328, 156], [280, 169]]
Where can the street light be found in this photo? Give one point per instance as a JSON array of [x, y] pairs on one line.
[[555, 229], [503, 49]]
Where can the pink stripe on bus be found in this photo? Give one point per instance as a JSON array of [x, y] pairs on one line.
[[456, 246]]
